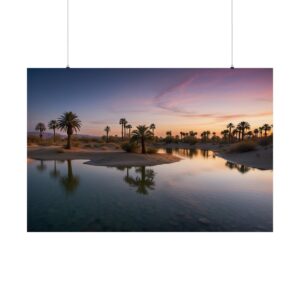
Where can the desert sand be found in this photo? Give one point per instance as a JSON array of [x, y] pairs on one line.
[[101, 157]]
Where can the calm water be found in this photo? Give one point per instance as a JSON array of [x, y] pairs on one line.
[[200, 193]]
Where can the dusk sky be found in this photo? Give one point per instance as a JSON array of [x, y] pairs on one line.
[[173, 99]]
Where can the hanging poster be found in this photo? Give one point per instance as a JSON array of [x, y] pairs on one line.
[[150, 150]]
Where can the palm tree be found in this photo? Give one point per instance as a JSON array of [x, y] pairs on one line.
[[152, 127], [256, 131], [266, 128], [53, 125], [169, 133], [41, 128], [181, 134], [225, 134], [193, 133], [69, 122], [129, 129], [230, 126], [249, 134], [107, 130], [142, 133], [207, 134], [243, 127], [125, 126], [122, 122], [261, 129]]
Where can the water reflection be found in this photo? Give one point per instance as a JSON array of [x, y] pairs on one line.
[[41, 167], [54, 173], [190, 153], [192, 195], [143, 179], [71, 181], [241, 168]]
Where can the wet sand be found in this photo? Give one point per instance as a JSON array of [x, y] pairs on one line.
[[262, 158], [101, 157]]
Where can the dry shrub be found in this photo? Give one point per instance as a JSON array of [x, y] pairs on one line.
[[152, 150], [245, 146], [130, 147], [266, 141]]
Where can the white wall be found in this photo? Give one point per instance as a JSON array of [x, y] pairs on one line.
[[156, 33]]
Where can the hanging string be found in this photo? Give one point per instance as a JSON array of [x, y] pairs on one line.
[[68, 34], [232, 67]]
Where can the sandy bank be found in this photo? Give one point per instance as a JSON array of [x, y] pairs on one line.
[[262, 158], [100, 157]]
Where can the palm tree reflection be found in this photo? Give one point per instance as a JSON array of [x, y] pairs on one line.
[[143, 181], [204, 153], [190, 153], [70, 182], [41, 167], [54, 173], [241, 168]]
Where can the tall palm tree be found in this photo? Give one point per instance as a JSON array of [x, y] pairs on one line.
[[261, 129], [239, 131], [107, 130], [266, 128], [142, 133], [152, 127], [129, 129], [243, 127], [125, 126], [169, 133], [41, 128], [52, 125], [122, 122], [256, 131], [230, 126], [69, 122]]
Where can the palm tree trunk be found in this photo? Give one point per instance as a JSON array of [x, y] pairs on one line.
[[41, 135], [122, 131], [230, 135], [106, 136], [143, 146], [69, 142], [129, 132], [54, 134]]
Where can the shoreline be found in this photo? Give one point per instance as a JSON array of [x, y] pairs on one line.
[[106, 158], [261, 158]]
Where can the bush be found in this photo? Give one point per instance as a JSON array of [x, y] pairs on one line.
[[266, 141], [243, 147], [130, 147], [190, 140], [152, 150]]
